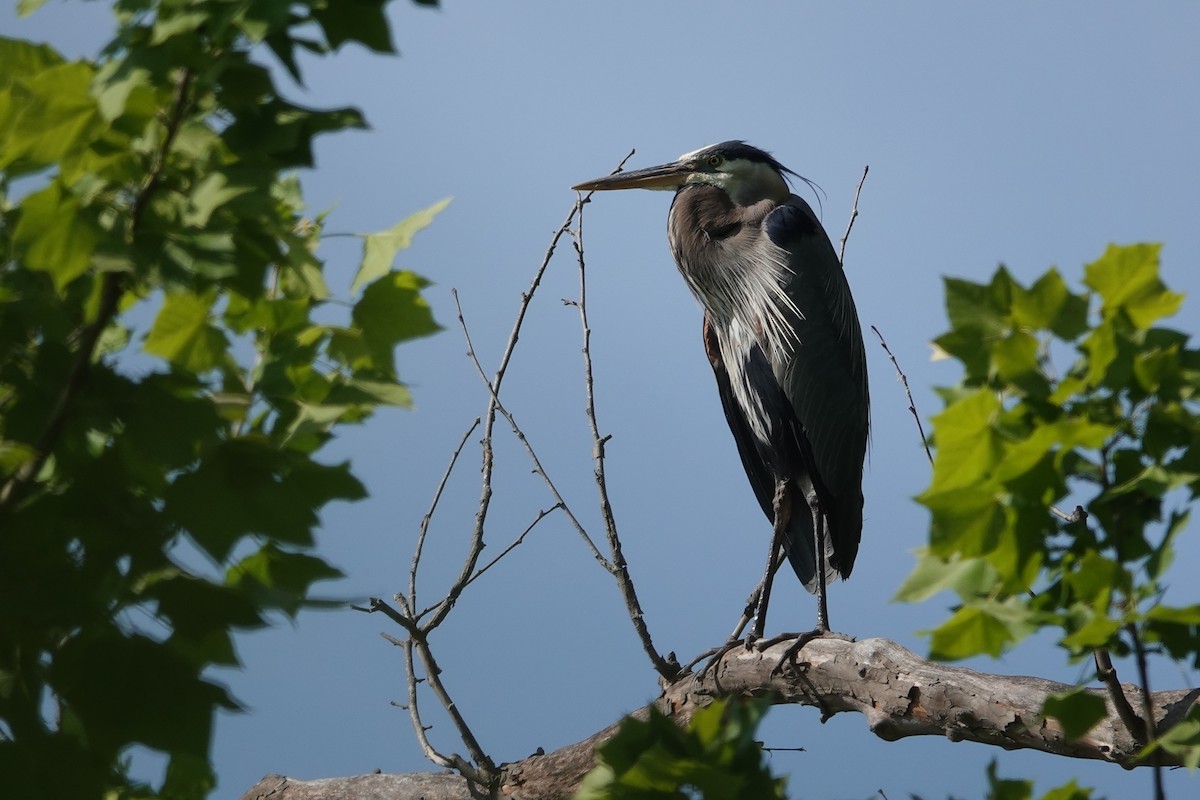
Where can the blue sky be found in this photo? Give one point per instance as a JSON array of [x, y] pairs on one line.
[[1025, 133]]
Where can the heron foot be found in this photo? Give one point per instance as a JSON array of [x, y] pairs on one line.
[[713, 656], [801, 639]]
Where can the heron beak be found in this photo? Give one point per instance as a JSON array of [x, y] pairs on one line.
[[665, 176]]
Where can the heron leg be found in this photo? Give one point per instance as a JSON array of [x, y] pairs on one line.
[[822, 629], [780, 510], [752, 601], [819, 533]]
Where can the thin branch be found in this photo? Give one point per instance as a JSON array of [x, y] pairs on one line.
[[1108, 676], [520, 434], [1139, 651], [520, 539], [912, 406], [425, 521], [441, 609], [665, 668], [111, 289], [853, 216], [414, 713], [486, 768]]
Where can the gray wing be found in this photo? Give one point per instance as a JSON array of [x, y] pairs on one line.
[[825, 374], [764, 462]]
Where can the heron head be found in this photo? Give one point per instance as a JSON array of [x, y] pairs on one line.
[[742, 171]]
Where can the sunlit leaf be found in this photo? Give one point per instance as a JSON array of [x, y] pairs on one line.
[[379, 249], [1126, 278], [183, 334], [966, 576], [58, 235]]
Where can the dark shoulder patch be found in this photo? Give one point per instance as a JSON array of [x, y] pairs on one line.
[[792, 220]]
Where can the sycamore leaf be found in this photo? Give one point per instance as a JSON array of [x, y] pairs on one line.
[[392, 310], [966, 576], [1126, 278], [183, 335], [379, 249], [58, 233], [1077, 711]]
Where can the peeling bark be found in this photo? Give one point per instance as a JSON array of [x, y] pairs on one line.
[[899, 693]]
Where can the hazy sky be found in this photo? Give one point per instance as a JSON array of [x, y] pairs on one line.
[[1025, 133]]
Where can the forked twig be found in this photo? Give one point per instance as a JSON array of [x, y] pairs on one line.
[[620, 569], [497, 407], [417, 626], [541, 515]]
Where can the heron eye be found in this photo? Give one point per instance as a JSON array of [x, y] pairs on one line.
[[714, 161]]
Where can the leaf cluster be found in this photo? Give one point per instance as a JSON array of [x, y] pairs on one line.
[[168, 375], [1115, 436], [714, 756]]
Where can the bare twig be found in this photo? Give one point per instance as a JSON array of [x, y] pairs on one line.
[[912, 406], [483, 771], [495, 406], [1078, 515], [486, 771], [853, 216], [540, 516], [668, 669], [489, 421], [437, 496]]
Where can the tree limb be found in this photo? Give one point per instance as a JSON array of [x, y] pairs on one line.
[[899, 694]]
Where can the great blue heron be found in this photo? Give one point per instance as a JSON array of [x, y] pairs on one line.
[[783, 337]]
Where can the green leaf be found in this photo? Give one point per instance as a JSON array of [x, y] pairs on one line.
[[280, 579], [214, 191], [1038, 306], [969, 577], [27, 7], [133, 689], [975, 306], [1126, 278], [391, 311], [967, 445], [714, 756], [58, 235], [355, 21], [51, 117], [1006, 789], [1182, 741], [20, 59], [262, 491], [982, 628], [1077, 711], [183, 335], [1099, 630], [1096, 578], [379, 249], [188, 777], [1068, 791]]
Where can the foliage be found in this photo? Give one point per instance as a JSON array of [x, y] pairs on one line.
[[1118, 433], [164, 376], [714, 756], [1009, 789]]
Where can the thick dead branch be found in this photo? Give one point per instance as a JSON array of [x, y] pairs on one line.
[[899, 694]]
